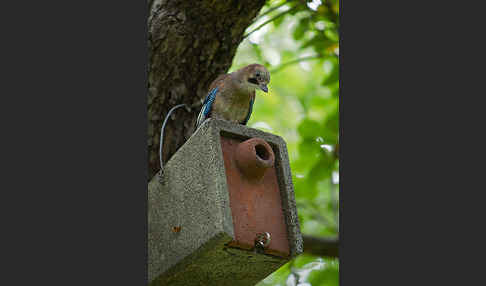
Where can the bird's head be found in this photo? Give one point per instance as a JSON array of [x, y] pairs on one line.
[[256, 76]]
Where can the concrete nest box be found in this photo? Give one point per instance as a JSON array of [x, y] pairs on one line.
[[225, 211]]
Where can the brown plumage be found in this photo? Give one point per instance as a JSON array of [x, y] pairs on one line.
[[231, 96]]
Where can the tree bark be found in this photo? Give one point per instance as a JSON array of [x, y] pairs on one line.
[[190, 43]]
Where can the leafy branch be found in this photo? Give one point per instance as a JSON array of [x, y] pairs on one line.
[[298, 60], [270, 10], [271, 20]]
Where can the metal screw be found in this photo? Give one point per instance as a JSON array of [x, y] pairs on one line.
[[262, 240]]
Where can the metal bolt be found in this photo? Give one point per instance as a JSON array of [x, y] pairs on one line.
[[262, 240]]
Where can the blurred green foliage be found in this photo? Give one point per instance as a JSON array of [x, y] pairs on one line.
[[298, 42]]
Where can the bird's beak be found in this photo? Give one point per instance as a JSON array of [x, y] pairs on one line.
[[264, 87]]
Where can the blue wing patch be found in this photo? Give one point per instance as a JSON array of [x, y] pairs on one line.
[[207, 106], [209, 101], [249, 112]]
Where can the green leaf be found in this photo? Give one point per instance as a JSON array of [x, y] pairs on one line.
[[305, 189], [302, 260], [329, 276], [323, 168], [277, 277], [332, 77], [301, 28], [277, 22], [331, 128], [332, 35], [319, 42], [309, 129]]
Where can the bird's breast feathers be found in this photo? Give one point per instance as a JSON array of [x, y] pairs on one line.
[[231, 110]]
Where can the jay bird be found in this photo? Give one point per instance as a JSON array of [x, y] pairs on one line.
[[231, 96]]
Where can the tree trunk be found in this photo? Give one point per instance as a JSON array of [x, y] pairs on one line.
[[190, 43]]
